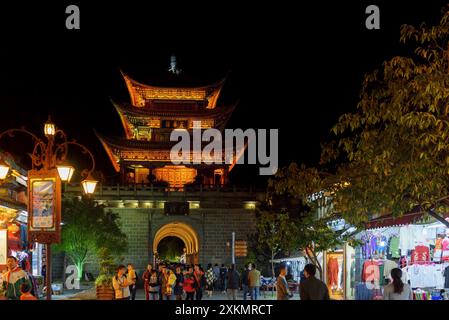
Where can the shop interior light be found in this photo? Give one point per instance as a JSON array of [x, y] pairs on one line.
[[4, 169]]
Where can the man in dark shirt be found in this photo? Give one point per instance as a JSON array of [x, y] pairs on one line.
[[312, 288], [245, 281]]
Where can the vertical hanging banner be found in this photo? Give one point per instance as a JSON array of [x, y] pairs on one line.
[[3, 246], [44, 206]]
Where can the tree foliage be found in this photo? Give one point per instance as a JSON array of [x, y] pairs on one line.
[[397, 142], [391, 155], [310, 211], [87, 227], [275, 232]]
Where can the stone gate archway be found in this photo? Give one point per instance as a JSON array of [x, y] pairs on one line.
[[184, 232]]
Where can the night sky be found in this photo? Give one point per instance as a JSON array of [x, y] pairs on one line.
[[292, 67]]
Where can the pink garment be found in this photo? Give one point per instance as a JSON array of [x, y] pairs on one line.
[[371, 271], [445, 248]]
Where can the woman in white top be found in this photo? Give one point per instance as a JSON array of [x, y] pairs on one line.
[[397, 290], [121, 284]]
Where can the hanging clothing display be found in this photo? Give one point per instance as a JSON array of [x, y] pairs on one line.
[[445, 249], [382, 245], [438, 251], [420, 254], [394, 248], [367, 249], [370, 271], [332, 271], [446, 276], [421, 251], [410, 236], [388, 266], [364, 292], [340, 278], [424, 276]]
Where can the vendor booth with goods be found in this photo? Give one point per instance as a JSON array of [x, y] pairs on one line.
[[420, 249]]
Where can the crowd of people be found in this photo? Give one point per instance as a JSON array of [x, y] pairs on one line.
[[187, 282]]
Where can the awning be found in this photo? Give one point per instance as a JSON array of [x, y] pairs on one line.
[[389, 221]]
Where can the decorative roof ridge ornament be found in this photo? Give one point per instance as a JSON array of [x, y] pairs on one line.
[[173, 66]]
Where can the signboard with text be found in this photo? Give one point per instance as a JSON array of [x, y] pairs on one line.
[[241, 248], [44, 206], [176, 208]]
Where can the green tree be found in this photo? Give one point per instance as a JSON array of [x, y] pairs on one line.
[[391, 155], [306, 195], [396, 144], [87, 228], [274, 231]]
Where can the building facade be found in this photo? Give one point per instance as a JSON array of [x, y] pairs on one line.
[[205, 225], [142, 155], [156, 199]]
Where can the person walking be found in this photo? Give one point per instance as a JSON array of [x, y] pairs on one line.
[[189, 286], [153, 286], [198, 274], [178, 290], [282, 290], [146, 280], [168, 282], [210, 280], [232, 283], [14, 278], [217, 277], [160, 276], [132, 279], [121, 284], [254, 282], [245, 281], [312, 288], [397, 290], [223, 271]]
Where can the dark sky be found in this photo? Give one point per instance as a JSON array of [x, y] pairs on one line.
[[293, 66]]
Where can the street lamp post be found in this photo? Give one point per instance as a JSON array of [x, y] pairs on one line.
[[49, 168]]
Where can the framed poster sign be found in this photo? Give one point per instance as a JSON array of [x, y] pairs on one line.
[[44, 206], [3, 246]]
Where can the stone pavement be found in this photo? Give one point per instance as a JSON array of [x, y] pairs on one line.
[[90, 294]]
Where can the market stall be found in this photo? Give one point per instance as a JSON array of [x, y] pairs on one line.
[[420, 250]]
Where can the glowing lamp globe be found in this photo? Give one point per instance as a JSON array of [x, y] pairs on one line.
[[49, 128], [89, 184], [65, 172]]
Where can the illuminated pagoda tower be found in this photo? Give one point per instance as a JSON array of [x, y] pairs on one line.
[[142, 156]]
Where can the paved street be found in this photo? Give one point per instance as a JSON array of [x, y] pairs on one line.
[[89, 294]]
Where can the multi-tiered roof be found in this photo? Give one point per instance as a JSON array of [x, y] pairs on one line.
[[154, 112]]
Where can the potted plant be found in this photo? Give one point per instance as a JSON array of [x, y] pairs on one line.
[[103, 283]]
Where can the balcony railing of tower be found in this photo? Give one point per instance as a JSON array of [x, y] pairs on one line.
[[149, 189]]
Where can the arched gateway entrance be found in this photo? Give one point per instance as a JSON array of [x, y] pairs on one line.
[[182, 231]]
